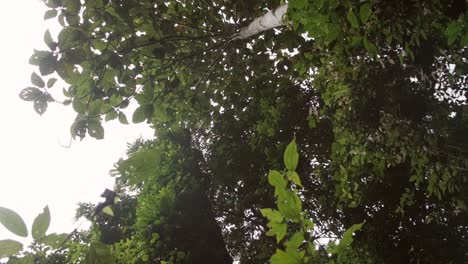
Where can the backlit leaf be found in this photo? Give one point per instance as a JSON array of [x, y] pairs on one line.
[[291, 157], [13, 222], [41, 224], [37, 80], [9, 248], [50, 14], [30, 93]]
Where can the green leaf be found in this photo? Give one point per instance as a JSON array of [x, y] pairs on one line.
[[108, 210], [54, 240], [290, 205], [364, 12], [13, 222], [41, 103], [123, 118], [295, 241], [276, 179], [347, 238], [272, 215], [25, 260], [291, 157], [281, 257], [37, 80], [452, 31], [98, 253], [30, 93], [111, 115], [41, 224], [352, 19], [294, 177], [50, 14], [70, 37], [47, 65], [95, 129], [116, 100], [139, 115], [51, 82], [277, 229], [49, 41], [9, 248]]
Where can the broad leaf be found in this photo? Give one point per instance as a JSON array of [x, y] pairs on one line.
[[98, 253], [50, 14], [291, 157], [9, 248], [41, 224], [54, 240], [108, 210], [40, 104], [13, 222], [95, 129], [352, 19], [123, 118], [139, 115], [51, 82], [37, 80], [281, 257], [30, 93], [364, 12]]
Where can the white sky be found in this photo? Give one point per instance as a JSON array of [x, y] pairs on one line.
[[35, 170]]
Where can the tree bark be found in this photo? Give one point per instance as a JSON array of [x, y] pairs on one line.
[[272, 19]]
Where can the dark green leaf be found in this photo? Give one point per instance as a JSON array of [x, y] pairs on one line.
[[364, 12], [70, 37], [37, 80], [38, 56], [452, 31], [291, 157], [352, 19], [111, 115], [30, 93], [9, 248], [47, 64], [139, 115], [51, 82], [123, 118], [78, 128], [41, 224], [41, 103], [49, 41], [95, 129], [13, 222], [50, 14]]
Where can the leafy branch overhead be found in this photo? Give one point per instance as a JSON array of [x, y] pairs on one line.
[[374, 93]]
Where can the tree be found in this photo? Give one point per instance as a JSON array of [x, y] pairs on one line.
[[374, 92]]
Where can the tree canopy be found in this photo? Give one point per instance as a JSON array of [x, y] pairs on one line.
[[374, 93]]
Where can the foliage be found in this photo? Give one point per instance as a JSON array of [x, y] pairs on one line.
[[373, 91], [42, 242], [300, 247]]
